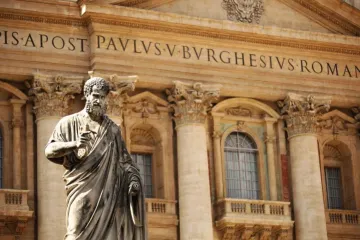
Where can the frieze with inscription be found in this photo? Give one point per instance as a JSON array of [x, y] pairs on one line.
[[48, 42]]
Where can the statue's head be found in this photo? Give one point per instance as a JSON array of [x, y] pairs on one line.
[[95, 90]]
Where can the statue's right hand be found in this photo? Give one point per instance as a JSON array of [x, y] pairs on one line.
[[83, 139]]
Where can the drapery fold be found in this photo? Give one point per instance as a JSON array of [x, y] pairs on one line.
[[97, 186]]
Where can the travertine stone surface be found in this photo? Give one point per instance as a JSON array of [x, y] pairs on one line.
[[51, 95], [51, 194], [191, 102], [306, 186], [194, 188], [270, 141], [301, 114], [17, 123]]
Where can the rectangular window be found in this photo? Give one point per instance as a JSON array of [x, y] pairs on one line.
[[333, 187], [241, 175], [144, 162]]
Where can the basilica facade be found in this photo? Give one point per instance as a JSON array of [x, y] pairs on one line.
[[242, 115]]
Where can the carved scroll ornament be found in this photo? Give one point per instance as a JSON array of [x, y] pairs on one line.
[[301, 113], [191, 101], [52, 94]]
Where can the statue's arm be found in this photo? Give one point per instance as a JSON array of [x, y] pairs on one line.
[[59, 149]]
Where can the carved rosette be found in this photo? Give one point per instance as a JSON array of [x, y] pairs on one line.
[[191, 101], [246, 11], [119, 87], [301, 113], [52, 94]]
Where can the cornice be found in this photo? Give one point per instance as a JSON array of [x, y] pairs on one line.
[[191, 27], [328, 18], [145, 4], [229, 35], [27, 16]]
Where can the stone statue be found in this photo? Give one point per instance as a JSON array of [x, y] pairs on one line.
[[105, 199]]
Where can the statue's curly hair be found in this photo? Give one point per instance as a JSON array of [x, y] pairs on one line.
[[99, 82]]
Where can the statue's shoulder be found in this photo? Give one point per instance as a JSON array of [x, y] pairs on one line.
[[70, 119], [113, 125]]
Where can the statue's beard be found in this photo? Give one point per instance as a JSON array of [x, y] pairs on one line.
[[95, 110]]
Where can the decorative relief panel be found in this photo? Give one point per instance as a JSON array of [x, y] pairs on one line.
[[146, 108], [191, 101], [142, 137], [238, 111], [331, 152], [301, 113], [52, 94], [244, 10], [337, 123]]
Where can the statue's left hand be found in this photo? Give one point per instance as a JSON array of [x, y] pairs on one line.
[[134, 188]]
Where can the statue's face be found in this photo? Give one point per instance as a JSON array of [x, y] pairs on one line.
[[96, 102]]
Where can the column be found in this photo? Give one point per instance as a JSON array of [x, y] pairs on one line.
[[191, 102], [51, 96], [301, 115], [269, 140], [17, 123]]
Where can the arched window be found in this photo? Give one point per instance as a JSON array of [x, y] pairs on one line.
[[241, 167]]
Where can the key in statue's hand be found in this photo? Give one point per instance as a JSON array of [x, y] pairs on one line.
[[134, 188]]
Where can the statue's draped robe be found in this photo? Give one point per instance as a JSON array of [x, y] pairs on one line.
[[98, 185]]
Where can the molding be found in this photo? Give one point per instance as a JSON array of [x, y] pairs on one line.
[[186, 29], [29, 16], [11, 89], [145, 4], [208, 32], [324, 16], [240, 102]]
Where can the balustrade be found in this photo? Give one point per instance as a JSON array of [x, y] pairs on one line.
[[337, 216]]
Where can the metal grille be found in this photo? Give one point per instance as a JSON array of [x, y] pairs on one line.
[[241, 167], [144, 162], [1, 159], [333, 187]]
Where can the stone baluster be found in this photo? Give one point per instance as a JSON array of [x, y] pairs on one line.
[[301, 116], [17, 123], [51, 96], [190, 103]]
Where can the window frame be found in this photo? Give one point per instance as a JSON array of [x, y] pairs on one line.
[[341, 185], [141, 149], [260, 159]]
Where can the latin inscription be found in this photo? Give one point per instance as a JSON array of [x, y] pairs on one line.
[[184, 52], [43, 41], [236, 58]]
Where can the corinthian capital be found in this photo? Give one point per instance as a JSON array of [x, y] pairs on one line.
[[119, 88], [52, 94], [191, 101], [301, 112]]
